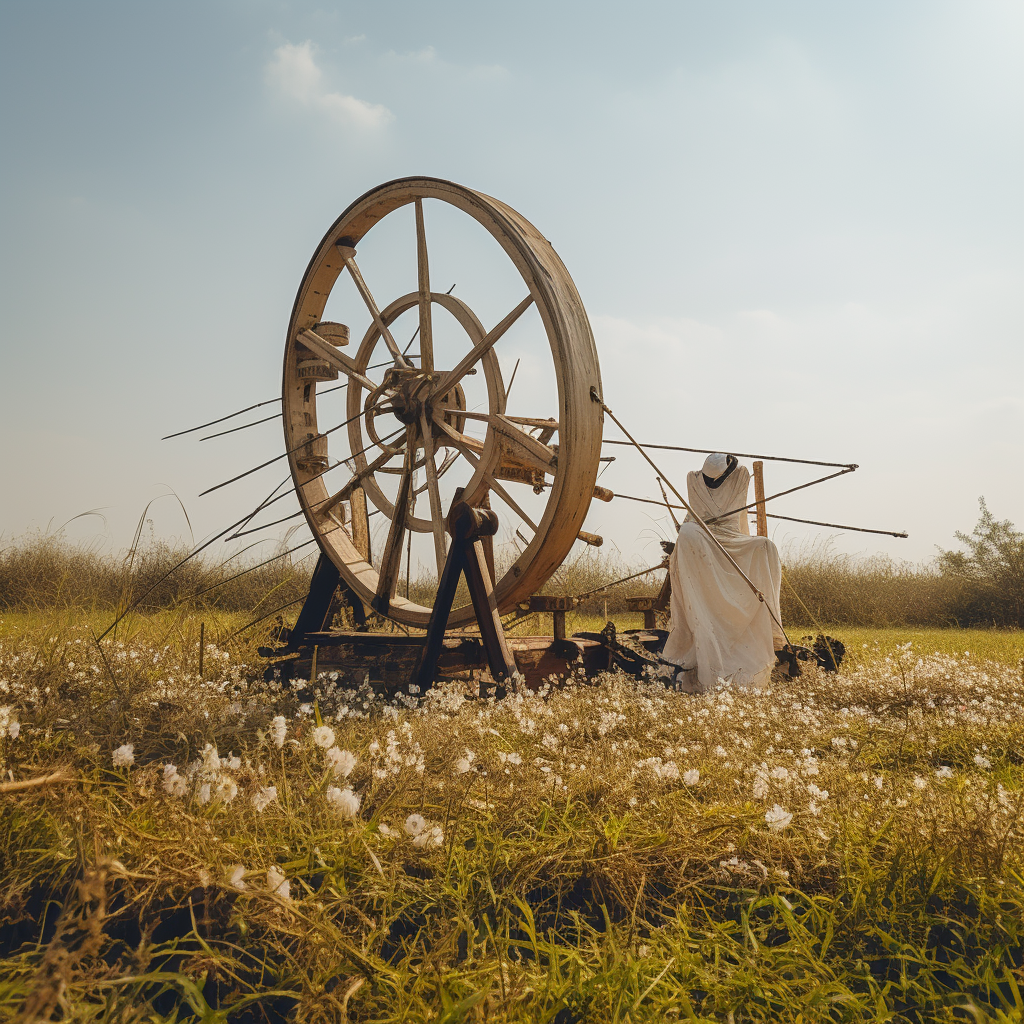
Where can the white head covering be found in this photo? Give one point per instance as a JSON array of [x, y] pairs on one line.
[[715, 465]]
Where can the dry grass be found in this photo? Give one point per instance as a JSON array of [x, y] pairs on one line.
[[608, 852], [820, 586], [42, 572]]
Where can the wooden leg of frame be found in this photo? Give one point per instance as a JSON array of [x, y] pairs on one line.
[[317, 606], [446, 588], [481, 592]]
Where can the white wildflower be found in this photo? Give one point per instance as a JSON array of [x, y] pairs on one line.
[[414, 824], [173, 783], [760, 787], [920, 783], [264, 797], [944, 772], [344, 801], [341, 761], [227, 789], [235, 879], [233, 763], [278, 730], [203, 796], [691, 776], [278, 883], [780, 773], [323, 736], [720, 751], [982, 761], [211, 759], [777, 818], [124, 756], [429, 838]]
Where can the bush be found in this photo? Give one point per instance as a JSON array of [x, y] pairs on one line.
[[990, 573]]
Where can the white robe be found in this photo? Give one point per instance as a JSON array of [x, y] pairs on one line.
[[719, 630]]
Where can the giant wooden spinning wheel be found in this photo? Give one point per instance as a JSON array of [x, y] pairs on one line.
[[407, 430]]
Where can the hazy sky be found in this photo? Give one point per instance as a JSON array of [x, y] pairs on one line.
[[796, 227]]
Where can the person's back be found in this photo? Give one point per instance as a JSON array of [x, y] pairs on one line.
[[719, 630]]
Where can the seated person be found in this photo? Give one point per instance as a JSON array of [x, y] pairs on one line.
[[719, 630]]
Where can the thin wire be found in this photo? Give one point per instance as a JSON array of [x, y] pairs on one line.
[[837, 526], [625, 579], [191, 554], [341, 462], [512, 379], [267, 616], [229, 416], [739, 455], [245, 426], [772, 515], [779, 494], [253, 568], [302, 444]]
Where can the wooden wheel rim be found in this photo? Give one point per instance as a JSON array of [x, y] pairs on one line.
[[574, 355]]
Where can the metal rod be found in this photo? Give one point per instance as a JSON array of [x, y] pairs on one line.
[[512, 379], [245, 426], [253, 568], [837, 526], [772, 515], [739, 455], [625, 579], [779, 494], [229, 416], [267, 616], [294, 515], [277, 458]]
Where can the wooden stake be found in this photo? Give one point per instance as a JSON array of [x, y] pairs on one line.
[[762, 516], [312, 667]]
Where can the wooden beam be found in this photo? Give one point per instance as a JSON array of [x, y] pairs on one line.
[[762, 517]]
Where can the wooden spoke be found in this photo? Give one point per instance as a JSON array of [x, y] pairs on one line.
[[348, 254], [391, 559], [539, 455], [359, 475], [452, 377], [459, 441], [436, 512], [423, 273], [532, 421], [329, 354]]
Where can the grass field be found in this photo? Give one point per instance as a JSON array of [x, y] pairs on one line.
[[840, 848]]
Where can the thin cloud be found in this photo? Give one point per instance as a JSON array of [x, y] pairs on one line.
[[293, 72]]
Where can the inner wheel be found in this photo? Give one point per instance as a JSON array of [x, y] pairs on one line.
[[428, 410]]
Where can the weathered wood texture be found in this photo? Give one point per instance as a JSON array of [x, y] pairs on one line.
[[762, 517], [431, 397]]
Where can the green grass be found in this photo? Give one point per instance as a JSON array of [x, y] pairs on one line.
[[579, 874]]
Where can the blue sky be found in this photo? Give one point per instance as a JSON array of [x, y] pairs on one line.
[[796, 227]]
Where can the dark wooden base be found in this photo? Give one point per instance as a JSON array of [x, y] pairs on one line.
[[391, 661]]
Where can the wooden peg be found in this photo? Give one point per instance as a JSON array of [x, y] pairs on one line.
[[762, 515]]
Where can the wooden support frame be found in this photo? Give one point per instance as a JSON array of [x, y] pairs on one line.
[[645, 605], [762, 515], [315, 614], [466, 556]]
